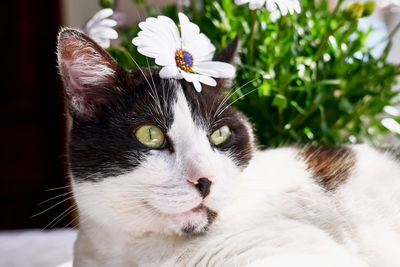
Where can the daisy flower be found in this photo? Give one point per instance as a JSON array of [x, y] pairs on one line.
[[184, 55], [285, 6], [100, 27]]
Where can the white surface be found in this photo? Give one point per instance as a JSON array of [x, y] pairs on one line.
[[36, 248]]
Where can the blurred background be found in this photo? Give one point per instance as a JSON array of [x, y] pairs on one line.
[[33, 127], [32, 108]]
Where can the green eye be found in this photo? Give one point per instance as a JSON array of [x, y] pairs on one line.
[[150, 136], [220, 135]]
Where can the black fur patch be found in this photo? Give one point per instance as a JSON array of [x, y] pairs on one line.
[[105, 146]]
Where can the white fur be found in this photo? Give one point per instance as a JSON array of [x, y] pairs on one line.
[[271, 214], [89, 67]]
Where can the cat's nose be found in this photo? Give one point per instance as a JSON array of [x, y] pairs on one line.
[[203, 185]]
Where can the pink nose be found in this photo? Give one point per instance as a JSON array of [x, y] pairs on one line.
[[203, 186]]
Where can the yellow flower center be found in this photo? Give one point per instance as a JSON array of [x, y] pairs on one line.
[[184, 60]]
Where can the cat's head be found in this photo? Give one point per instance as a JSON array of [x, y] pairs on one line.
[[148, 154]]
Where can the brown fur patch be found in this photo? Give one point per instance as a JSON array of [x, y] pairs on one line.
[[330, 166]]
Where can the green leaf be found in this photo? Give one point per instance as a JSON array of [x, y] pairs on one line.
[[151, 11], [107, 3], [346, 106], [139, 2], [280, 101]]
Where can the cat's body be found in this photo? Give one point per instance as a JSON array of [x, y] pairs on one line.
[[279, 214], [152, 207]]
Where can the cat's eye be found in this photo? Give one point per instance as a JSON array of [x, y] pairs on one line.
[[150, 136], [220, 135]]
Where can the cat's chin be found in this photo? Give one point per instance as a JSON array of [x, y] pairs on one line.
[[194, 221]]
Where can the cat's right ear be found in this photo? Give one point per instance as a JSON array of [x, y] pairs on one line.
[[89, 73]]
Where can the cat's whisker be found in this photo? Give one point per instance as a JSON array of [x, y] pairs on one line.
[[55, 205], [216, 113], [241, 87], [76, 218], [59, 218], [58, 188], [58, 196], [232, 92], [164, 101], [141, 70], [154, 87], [233, 102]]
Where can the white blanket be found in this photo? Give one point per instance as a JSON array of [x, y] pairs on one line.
[[36, 248]]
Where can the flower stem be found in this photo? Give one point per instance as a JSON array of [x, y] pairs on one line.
[[321, 48], [390, 39], [394, 31], [339, 3], [194, 9], [252, 32]]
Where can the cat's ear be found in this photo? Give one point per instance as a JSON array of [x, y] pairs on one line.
[[89, 73], [229, 55]]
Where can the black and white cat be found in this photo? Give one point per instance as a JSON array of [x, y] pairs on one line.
[[165, 176]]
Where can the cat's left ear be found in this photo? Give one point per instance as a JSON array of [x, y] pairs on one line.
[[229, 55], [89, 73]]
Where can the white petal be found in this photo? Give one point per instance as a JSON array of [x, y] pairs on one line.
[[162, 55], [292, 5], [172, 29], [103, 32], [158, 39], [241, 2], [136, 41], [206, 80], [191, 77], [169, 72], [107, 23], [202, 49], [102, 14], [297, 6], [282, 7], [215, 69], [271, 6], [105, 43], [256, 4], [148, 53], [187, 28], [197, 86], [162, 27], [191, 37], [166, 60], [275, 15], [391, 124]]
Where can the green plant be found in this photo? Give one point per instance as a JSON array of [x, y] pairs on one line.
[[305, 78]]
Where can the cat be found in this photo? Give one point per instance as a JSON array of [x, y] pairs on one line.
[[165, 176]]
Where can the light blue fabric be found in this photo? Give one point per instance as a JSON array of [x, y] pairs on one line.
[[36, 248]]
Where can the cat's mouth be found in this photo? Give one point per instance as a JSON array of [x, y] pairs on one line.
[[196, 220]]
